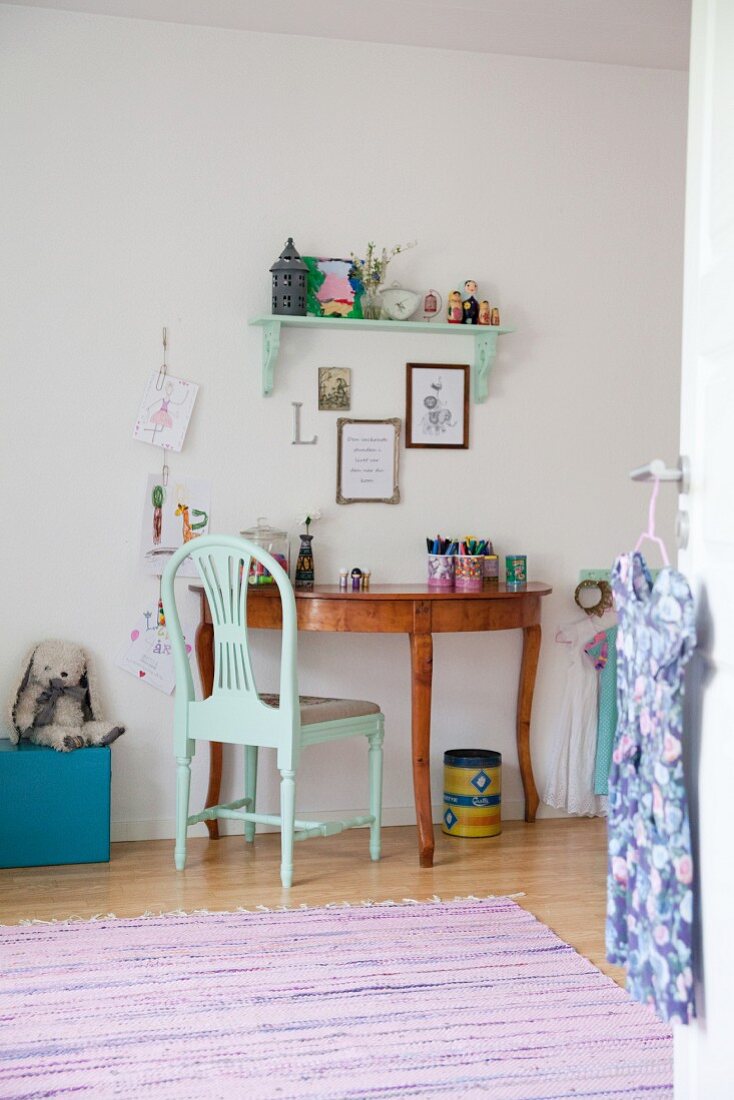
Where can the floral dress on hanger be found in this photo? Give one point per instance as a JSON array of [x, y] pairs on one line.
[[649, 892]]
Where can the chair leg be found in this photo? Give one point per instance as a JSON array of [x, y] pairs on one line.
[[250, 787], [375, 769], [287, 825], [183, 785]]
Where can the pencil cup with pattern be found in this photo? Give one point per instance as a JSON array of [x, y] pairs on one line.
[[440, 571], [468, 572]]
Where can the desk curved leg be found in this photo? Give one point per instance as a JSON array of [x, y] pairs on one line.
[[530, 653], [205, 661], [421, 660]]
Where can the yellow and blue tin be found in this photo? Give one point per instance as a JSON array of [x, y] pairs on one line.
[[472, 797]]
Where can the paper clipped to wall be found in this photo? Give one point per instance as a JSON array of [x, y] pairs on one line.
[[173, 514], [165, 411]]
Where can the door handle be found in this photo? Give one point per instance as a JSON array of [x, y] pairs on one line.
[[658, 471]]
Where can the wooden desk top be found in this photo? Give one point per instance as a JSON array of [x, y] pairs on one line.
[[403, 592], [396, 608]]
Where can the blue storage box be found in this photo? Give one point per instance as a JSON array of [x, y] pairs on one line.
[[54, 806]]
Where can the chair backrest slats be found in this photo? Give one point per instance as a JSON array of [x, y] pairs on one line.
[[246, 679], [223, 563], [224, 576]]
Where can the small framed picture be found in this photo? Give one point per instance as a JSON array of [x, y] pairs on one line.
[[367, 461], [437, 405], [335, 389]]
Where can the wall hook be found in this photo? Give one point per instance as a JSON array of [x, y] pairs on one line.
[[297, 426], [162, 372]]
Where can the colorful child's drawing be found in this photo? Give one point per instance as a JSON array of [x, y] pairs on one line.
[[333, 289], [172, 516], [147, 655], [157, 497], [165, 411], [192, 530]]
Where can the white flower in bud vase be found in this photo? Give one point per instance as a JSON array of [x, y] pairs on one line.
[[307, 518]]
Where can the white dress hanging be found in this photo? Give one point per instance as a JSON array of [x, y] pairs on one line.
[[570, 783]]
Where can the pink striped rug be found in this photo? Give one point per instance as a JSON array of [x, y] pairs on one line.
[[464, 998]]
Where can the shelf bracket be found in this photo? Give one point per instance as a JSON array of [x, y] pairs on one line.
[[485, 353], [271, 346], [484, 337]]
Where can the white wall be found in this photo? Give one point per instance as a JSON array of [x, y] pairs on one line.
[[151, 174]]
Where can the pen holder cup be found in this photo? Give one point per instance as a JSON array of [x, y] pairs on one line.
[[468, 573], [491, 569], [440, 571]]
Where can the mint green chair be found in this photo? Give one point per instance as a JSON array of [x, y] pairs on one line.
[[236, 714]]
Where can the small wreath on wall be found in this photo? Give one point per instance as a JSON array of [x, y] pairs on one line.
[[605, 601]]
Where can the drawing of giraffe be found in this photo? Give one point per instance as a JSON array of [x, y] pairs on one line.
[[191, 530]]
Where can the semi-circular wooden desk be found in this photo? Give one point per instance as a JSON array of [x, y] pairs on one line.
[[420, 612]]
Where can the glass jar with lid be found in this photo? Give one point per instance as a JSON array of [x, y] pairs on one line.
[[272, 540]]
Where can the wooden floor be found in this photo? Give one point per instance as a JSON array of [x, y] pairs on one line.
[[557, 865]]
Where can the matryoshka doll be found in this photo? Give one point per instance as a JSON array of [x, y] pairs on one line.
[[470, 305], [483, 313], [454, 312], [495, 318]]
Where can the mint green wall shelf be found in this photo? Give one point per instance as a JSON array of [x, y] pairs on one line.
[[484, 338]]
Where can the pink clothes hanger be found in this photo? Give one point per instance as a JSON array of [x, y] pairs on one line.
[[649, 534]]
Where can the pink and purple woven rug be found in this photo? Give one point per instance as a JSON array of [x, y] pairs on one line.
[[461, 999]]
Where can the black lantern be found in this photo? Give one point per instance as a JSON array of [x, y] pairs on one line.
[[289, 282]]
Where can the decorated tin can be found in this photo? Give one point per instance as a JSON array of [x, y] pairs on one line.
[[491, 568], [468, 572], [472, 780], [516, 569]]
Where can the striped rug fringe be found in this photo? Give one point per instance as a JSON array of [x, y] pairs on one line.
[[365, 904]]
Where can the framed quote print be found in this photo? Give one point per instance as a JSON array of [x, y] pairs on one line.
[[437, 405], [367, 461]]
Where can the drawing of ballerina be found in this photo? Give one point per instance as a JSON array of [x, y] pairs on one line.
[[161, 419]]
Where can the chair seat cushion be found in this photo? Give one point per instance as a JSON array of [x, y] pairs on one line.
[[315, 708]]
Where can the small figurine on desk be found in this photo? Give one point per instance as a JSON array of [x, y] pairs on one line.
[[484, 313], [469, 304], [454, 312], [495, 319], [360, 579]]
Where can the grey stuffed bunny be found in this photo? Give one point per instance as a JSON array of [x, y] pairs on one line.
[[55, 702]]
